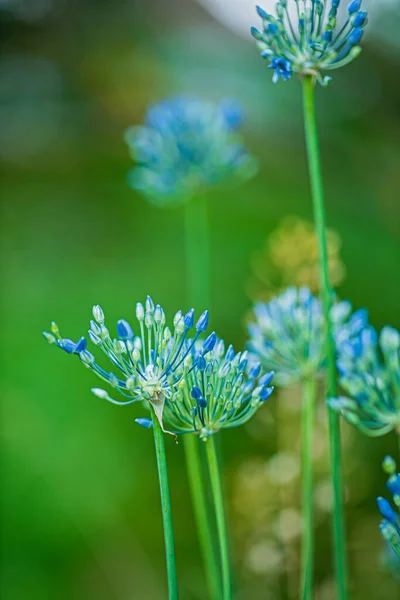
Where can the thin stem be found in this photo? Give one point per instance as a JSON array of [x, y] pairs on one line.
[[197, 253], [307, 540], [166, 508], [326, 298], [220, 516], [197, 248], [196, 483]]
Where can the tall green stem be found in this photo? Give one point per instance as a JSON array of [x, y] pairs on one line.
[[166, 509], [198, 290], [197, 252], [307, 540], [326, 298], [220, 516], [196, 483]]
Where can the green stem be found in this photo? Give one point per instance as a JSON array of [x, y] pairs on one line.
[[307, 540], [196, 483], [166, 509], [197, 253], [220, 517], [198, 292], [326, 298]]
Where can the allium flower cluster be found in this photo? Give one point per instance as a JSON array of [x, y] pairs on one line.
[[314, 41], [192, 384], [222, 391], [151, 365], [390, 525], [289, 333], [370, 376], [185, 146]]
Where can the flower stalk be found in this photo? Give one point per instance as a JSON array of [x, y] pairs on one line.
[[166, 508], [307, 481], [326, 299], [220, 516], [197, 284]]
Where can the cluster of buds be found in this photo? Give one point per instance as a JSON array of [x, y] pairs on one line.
[[186, 146], [390, 525], [370, 376], [311, 42], [289, 333], [190, 383]]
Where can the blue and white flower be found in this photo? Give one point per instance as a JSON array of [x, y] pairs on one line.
[[185, 146], [314, 41], [390, 525], [370, 377], [150, 366], [289, 333]]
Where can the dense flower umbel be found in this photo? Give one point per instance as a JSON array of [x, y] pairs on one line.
[[289, 334], [152, 366], [312, 42], [185, 146], [390, 525], [222, 390], [370, 376]]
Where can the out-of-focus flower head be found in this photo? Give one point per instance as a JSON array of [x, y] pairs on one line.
[[290, 257], [151, 366], [370, 376], [289, 333], [186, 146], [221, 390], [390, 525], [312, 43]]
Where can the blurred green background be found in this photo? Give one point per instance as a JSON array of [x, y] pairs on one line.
[[80, 508]]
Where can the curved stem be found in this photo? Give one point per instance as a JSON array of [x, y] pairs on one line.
[[307, 540], [196, 483], [326, 298], [166, 508], [220, 516]]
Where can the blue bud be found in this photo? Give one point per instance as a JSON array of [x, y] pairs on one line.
[[354, 6], [201, 363], [189, 319], [327, 36], [355, 36], [242, 365], [272, 28], [393, 485], [360, 18], [147, 423], [202, 323], [210, 342], [261, 12], [230, 353], [81, 345], [202, 402], [266, 379], [255, 370], [124, 330], [196, 393], [386, 510], [67, 345], [266, 392], [256, 34]]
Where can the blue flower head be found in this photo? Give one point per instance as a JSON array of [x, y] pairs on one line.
[[150, 366], [390, 525], [312, 40], [370, 377], [289, 334], [186, 146], [223, 390]]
